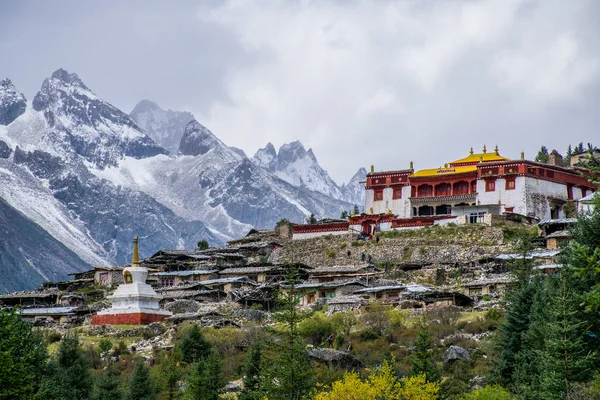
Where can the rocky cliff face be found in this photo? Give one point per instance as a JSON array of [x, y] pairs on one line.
[[12, 102], [29, 255], [165, 127]]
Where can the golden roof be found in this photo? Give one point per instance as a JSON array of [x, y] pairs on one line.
[[476, 158], [445, 171], [471, 160]]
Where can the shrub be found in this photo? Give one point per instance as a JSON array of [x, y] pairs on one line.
[[53, 337], [256, 307], [368, 335], [486, 297], [343, 245], [316, 328], [330, 253], [358, 243], [121, 348], [493, 314], [489, 393], [338, 342], [105, 345]]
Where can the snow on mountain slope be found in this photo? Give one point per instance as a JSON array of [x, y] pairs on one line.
[[29, 196], [12, 102], [354, 191], [216, 184], [297, 166], [165, 127], [89, 126]]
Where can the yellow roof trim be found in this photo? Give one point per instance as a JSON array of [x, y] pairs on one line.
[[475, 158], [446, 171]]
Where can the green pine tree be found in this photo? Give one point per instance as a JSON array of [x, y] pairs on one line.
[[422, 360], [205, 381], [108, 385], [542, 155], [140, 386], [69, 372], [344, 214], [171, 373], [566, 358], [252, 389], [22, 357], [356, 211], [290, 375], [194, 346]]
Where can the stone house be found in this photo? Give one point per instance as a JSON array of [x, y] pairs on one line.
[[342, 272], [494, 287], [176, 278], [309, 293]]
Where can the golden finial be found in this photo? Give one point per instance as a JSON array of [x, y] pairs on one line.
[[353, 214], [522, 155], [471, 151], [411, 165], [372, 168], [480, 158], [496, 150], [371, 210], [446, 165], [389, 212], [484, 149], [135, 258]]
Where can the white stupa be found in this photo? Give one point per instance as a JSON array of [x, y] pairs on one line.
[[134, 302]]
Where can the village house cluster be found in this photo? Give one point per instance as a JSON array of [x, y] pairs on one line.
[[480, 189]]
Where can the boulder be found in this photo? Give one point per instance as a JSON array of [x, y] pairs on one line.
[[454, 353]]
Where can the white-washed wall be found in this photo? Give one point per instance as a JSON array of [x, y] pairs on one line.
[[309, 235], [515, 198], [537, 193]]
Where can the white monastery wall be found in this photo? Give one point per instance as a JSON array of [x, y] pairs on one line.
[[309, 235], [537, 193], [507, 198]]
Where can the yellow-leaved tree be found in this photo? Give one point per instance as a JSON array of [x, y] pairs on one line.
[[381, 384]]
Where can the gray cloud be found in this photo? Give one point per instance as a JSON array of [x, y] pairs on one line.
[[362, 83]]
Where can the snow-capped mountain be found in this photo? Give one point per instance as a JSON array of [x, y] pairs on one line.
[[297, 166], [12, 102], [81, 170], [354, 191], [165, 127]]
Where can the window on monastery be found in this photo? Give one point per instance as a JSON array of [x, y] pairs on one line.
[[398, 193], [104, 277], [330, 295], [443, 189], [570, 192], [509, 209], [475, 291], [510, 184], [490, 186], [378, 195], [461, 188], [425, 191]]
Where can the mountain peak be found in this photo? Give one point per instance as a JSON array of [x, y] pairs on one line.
[[266, 157], [68, 78], [12, 102], [165, 127], [145, 106], [197, 140]]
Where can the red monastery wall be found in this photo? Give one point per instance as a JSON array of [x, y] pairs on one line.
[[127, 319]]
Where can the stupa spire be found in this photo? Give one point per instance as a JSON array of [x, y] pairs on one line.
[[135, 258]]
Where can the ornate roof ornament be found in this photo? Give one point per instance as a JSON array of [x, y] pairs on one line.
[[484, 149]]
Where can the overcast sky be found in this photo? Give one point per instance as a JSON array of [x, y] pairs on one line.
[[361, 82]]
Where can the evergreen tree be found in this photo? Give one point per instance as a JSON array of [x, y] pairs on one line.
[[203, 244], [108, 385], [205, 381], [252, 376], [194, 346], [542, 155], [140, 386], [422, 360], [171, 373], [22, 357], [312, 219], [290, 375], [566, 358], [567, 159], [69, 372], [356, 211], [344, 214]]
